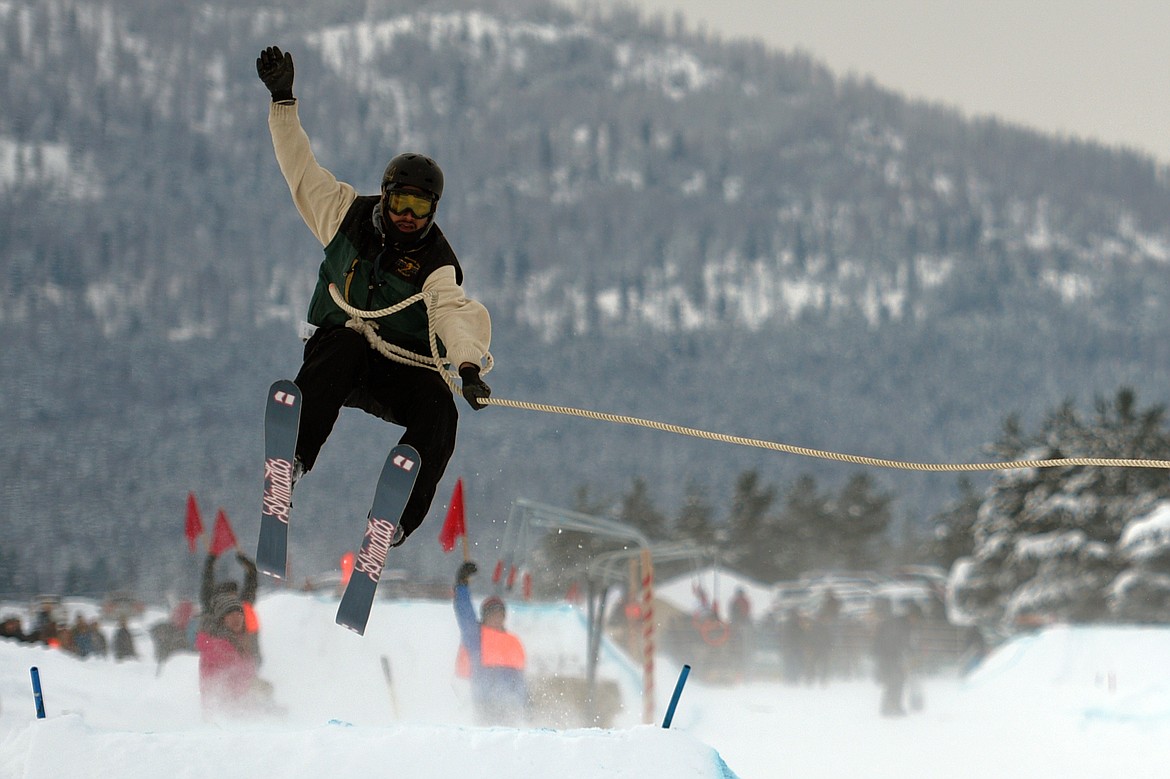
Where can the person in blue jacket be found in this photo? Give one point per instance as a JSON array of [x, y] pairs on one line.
[[490, 656]]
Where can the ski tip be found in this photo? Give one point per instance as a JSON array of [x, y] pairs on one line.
[[269, 564], [359, 629], [405, 449]]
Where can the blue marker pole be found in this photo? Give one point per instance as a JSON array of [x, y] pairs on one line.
[[37, 697], [678, 688]]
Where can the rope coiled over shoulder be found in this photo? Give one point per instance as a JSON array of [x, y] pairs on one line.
[[359, 321]]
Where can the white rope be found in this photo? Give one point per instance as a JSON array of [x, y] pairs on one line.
[[359, 321], [1063, 462], [437, 363]]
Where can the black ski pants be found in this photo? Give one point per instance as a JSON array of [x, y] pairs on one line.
[[342, 369]]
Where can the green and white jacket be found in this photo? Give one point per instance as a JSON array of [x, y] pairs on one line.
[[343, 222]]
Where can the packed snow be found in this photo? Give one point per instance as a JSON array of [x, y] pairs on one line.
[[1064, 701]]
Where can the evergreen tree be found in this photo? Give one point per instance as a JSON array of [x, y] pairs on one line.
[[638, 511], [860, 520], [1141, 593], [695, 521], [803, 526], [1051, 543], [952, 533], [99, 577], [752, 539], [74, 581], [8, 572]]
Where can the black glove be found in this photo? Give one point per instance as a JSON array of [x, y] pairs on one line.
[[275, 69], [244, 560], [474, 390], [465, 572]]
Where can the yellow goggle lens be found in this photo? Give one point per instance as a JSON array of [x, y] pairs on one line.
[[400, 203]]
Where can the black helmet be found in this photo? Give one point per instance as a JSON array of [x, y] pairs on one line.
[[414, 170]]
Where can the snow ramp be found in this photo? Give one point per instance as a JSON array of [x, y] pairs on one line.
[[341, 713], [67, 746]]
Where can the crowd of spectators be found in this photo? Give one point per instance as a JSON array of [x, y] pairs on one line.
[[83, 637]]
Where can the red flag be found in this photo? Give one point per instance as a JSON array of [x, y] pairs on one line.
[[454, 526], [194, 522], [222, 538]]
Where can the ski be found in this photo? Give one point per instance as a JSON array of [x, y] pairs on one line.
[[390, 497], [281, 421]]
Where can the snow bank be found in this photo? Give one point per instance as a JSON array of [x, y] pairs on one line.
[[67, 746]]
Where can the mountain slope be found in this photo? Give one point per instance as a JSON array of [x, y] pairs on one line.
[[666, 226]]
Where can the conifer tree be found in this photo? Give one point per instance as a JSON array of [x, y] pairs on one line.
[[752, 539], [695, 521], [1062, 543], [860, 520], [638, 511]]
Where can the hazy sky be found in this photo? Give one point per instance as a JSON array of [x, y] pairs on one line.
[[1097, 69]]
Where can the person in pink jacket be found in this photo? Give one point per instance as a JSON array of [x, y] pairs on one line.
[[228, 678]]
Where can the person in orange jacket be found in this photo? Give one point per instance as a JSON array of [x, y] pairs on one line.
[[492, 657]]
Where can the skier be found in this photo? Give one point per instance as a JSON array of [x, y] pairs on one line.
[[379, 250]]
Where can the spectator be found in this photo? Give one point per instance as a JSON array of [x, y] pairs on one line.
[[818, 642], [124, 642], [742, 634], [45, 627], [47, 634], [101, 647], [84, 641], [490, 656], [793, 645], [891, 653], [228, 679], [914, 693], [11, 627], [209, 588], [171, 635], [65, 639], [822, 639]]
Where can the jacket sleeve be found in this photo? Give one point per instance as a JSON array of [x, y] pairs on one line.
[[321, 199], [461, 323], [468, 624], [248, 593], [208, 584]]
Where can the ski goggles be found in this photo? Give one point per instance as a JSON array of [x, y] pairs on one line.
[[400, 202]]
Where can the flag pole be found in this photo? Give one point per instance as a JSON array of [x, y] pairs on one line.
[[463, 538]]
